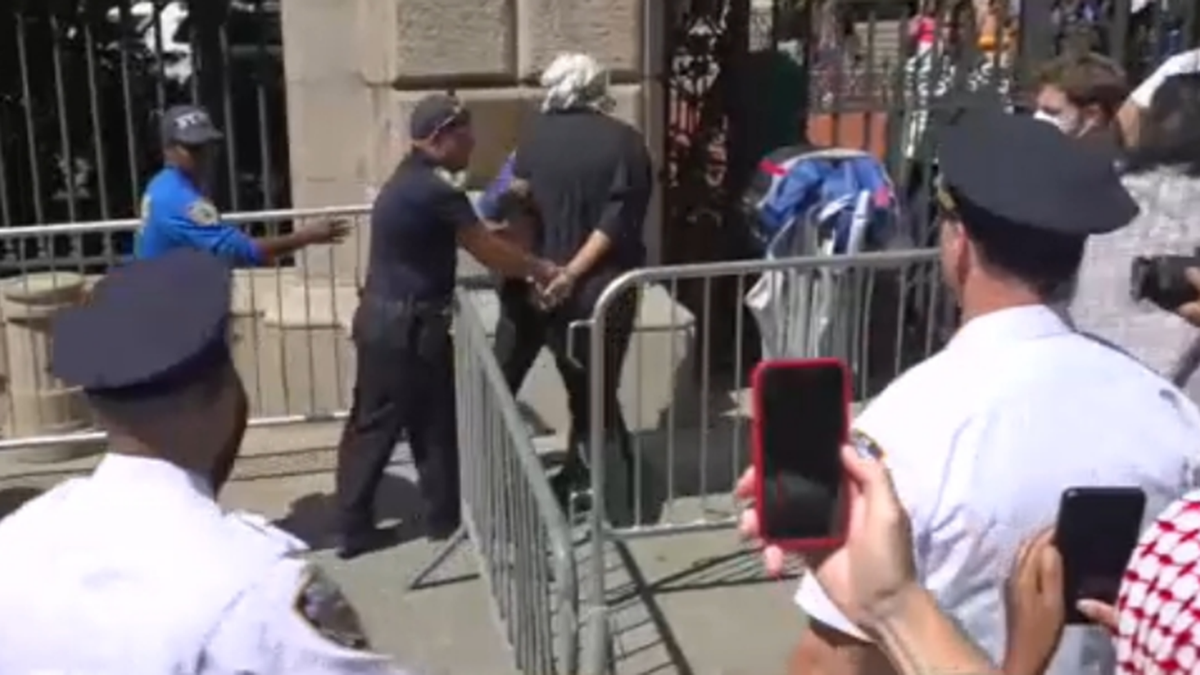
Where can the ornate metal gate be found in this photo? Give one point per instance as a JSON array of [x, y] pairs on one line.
[[719, 58], [705, 41], [82, 88]]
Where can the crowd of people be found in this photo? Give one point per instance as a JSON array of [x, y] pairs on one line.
[[1055, 378], [1058, 376]]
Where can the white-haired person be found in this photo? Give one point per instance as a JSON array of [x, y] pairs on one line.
[[589, 178]]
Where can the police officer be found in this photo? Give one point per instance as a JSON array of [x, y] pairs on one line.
[[983, 438], [136, 569], [405, 378], [176, 213]]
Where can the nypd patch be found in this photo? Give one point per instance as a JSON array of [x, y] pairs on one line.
[[202, 212], [321, 605]]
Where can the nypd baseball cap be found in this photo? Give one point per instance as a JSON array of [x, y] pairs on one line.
[[188, 125], [436, 113]]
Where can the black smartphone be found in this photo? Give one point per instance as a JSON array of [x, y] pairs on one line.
[[801, 418], [1097, 530]]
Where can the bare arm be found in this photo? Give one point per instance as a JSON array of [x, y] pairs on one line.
[[271, 249], [489, 248], [498, 253], [921, 640]]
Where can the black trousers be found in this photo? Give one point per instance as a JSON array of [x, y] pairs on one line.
[[523, 330], [404, 382]]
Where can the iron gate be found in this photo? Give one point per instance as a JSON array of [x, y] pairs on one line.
[[80, 97]]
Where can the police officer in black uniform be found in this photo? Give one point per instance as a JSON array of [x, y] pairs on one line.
[[405, 378]]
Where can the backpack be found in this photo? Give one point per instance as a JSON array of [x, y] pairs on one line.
[[831, 202], [841, 199]]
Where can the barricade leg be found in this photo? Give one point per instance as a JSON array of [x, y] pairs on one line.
[[447, 549]]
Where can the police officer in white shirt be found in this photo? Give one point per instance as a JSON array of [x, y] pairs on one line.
[[136, 570], [983, 437]]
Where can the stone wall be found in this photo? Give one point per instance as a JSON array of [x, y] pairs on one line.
[[354, 69]]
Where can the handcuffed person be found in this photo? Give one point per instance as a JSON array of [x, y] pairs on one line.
[[590, 203], [401, 330]]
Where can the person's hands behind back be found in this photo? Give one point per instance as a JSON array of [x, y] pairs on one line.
[[875, 567]]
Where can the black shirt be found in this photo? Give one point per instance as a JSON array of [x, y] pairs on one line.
[[587, 171], [414, 223]]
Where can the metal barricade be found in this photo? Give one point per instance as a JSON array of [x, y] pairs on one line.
[[288, 329], [524, 546], [880, 312]]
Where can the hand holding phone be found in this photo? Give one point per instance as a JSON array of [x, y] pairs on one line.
[[1096, 533], [801, 421]]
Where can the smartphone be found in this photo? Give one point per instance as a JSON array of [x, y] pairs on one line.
[[1097, 530], [801, 419]]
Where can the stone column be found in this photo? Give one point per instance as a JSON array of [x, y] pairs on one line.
[[330, 118], [355, 68], [39, 403]]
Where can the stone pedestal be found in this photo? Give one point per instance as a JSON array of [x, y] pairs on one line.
[[306, 358], [247, 307], [40, 404]]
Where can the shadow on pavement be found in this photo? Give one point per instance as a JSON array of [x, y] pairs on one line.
[[312, 517]]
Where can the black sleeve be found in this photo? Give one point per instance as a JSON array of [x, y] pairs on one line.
[[629, 194], [453, 207], [525, 146], [520, 166]]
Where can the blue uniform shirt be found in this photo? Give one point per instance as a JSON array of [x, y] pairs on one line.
[[176, 215]]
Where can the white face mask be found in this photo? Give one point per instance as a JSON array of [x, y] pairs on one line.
[[1067, 122], [1057, 121]]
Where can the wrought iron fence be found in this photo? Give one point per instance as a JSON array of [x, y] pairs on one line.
[[83, 86]]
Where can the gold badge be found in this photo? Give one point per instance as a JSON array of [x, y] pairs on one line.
[[321, 605], [202, 212]]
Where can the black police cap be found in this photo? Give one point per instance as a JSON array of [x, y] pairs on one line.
[[189, 125], [1026, 172], [149, 324], [435, 113]]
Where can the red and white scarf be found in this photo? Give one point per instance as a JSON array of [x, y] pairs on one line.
[[1158, 611]]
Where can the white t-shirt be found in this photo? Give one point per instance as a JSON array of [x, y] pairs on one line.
[[983, 438]]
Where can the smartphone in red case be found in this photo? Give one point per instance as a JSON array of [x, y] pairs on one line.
[[801, 419]]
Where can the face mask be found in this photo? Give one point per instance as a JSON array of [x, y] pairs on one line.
[[1057, 121], [1067, 122]]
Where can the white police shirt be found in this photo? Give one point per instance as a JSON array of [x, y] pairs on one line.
[[136, 570], [983, 438]]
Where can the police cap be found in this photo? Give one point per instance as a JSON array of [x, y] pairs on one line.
[[148, 326], [1015, 169], [188, 125], [435, 113]]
